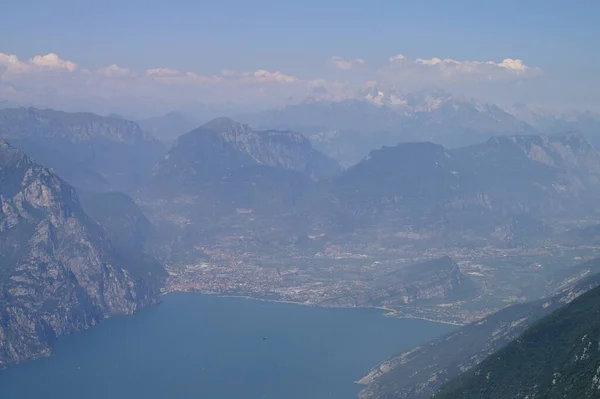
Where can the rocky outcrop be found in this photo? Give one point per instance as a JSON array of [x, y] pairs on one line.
[[435, 281], [222, 146], [438, 279], [59, 272]]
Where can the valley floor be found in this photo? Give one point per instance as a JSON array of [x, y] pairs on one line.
[[503, 277]]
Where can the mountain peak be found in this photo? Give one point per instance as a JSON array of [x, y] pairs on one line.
[[10, 154], [224, 124], [216, 149]]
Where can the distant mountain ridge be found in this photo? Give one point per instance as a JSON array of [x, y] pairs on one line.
[[348, 129], [439, 192], [93, 152], [424, 184]]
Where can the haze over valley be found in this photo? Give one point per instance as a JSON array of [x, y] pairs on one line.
[[456, 195]]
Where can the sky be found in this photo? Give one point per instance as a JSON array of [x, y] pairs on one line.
[[153, 56]]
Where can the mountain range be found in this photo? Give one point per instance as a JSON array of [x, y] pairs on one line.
[[346, 130], [91, 152], [473, 187], [68, 259], [224, 166], [229, 167]]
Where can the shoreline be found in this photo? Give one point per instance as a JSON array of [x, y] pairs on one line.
[[388, 311]]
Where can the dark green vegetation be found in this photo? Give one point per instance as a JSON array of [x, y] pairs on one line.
[[557, 357], [59, 271], [420, 372]]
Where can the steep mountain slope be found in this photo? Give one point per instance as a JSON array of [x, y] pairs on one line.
[[127, 226], [408, 173], [418, 373], [59, 270], [92, 152], [475, 187], [557, 357], [215, 150]]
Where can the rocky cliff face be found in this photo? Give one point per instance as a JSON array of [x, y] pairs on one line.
[[435, 281], [59, 272], [438, 279], [221, 147]]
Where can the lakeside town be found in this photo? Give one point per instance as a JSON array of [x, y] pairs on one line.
[[354, 276]]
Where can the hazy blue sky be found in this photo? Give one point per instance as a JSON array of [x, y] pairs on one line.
[[557, 41]]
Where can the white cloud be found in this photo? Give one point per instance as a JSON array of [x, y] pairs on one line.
[[160, 72], [49, 77], [114, 70], [398, 57], [9, 63], [439, 71], [451, 66], [263, 75], [53, 61], [175, 76], [434, 61], [346, 65], [514, 65]]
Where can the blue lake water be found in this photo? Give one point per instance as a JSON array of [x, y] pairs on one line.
[[208, 347]]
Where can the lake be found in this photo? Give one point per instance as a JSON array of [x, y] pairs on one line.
[[200, 346]]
